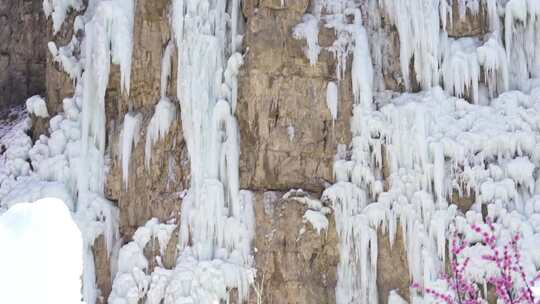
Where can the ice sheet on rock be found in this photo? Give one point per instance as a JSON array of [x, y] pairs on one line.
[[436, 144], [332, 99], [362, 67], [411, 154], [166, 68]]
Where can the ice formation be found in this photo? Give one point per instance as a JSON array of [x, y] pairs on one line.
[[436, 145], [316, 213], [217, 223], [37, 106], [41, 256], [58, 9], [332, 99], [309, 30], [412, 154], [165, 110], [133, 283], [164, 116], [129, 137]]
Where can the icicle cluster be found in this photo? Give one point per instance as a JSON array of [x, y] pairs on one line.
[[409, 157], [217, 224]]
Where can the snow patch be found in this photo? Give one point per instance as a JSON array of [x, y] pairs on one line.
[[41, 257]]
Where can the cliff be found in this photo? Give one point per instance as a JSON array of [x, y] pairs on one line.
[[267, 151]]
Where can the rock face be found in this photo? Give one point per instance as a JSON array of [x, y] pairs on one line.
[[295, 264], [22, 51], [466, 23], [288, 136], [392, 267], [152, 191]]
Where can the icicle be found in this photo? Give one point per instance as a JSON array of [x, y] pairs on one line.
[[166, 67], [332, 99], [362, 68], [418, 24], [129, 137], [164, 116], [217, 219], [108, 38], [58, 9]]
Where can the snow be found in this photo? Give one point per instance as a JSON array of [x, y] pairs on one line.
[[41, 256], [37, 106]]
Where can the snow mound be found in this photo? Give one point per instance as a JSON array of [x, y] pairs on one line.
[[41, 256]]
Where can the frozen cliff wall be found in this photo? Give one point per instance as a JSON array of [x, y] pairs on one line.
[[304, 151]]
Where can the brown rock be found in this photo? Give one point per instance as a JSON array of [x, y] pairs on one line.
[[102, 268], [468, 24], [153, 191], [292, 266], [288, 137], [392, 267], [22, 53], [152, 251]]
